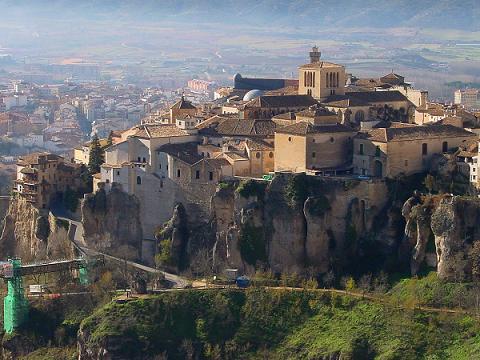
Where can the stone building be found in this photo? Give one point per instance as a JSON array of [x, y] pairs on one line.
[[321, 79], [181, 109], [356, 107], [265, 107], [41, 177], [323, 148], [404, 150]]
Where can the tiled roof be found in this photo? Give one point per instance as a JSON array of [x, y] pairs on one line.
[[304, 128], [392, 124], [258, 145], [149, 131], [37, 158], [239, 127], [319, 65], [316, 110], [186, 152], [217, 162], [183, 104], [417, 133], [364, 98], [281, 101], [285, 116]]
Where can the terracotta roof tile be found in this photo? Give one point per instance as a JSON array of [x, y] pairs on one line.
[[304, 128], [417, 132]]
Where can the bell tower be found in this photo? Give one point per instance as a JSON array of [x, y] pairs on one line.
[[315, 55]]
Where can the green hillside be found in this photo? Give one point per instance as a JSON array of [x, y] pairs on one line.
[[277, 324]]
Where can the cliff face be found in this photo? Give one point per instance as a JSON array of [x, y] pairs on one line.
[[112, 223], [298, 223], [452, 226], [33, 234]]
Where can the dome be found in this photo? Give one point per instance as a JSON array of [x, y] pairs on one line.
[[252, 94]]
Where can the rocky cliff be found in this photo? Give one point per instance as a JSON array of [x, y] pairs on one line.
[[33, 234], [299, 223], [112, 223], [447, 226]]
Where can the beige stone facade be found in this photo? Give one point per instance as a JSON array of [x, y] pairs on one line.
[[321, 79], [391, 152], [42, 176], [303, 146]]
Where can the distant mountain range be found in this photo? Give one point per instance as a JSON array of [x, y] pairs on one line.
[[444, 14]]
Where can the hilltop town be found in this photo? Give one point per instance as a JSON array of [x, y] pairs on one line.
[[327, 124], [322, 180]]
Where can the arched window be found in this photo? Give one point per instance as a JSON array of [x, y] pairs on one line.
[[257, 155], [314, 154], [270, 155], [313, 83], [445, 146], [326, 80], [424, 149], [139, 180], [305, 79], [361, 149], [178, 172]]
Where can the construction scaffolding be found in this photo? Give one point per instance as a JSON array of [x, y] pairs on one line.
[[16, 306]]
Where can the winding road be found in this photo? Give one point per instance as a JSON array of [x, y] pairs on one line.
[[76, 236]]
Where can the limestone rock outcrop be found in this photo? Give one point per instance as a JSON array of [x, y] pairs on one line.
[[112, 223], [300, 223], [453, 222], [33, 234]]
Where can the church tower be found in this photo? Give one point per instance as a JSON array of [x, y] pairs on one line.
[[321, 79]]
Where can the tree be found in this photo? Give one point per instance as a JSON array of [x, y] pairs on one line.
[[110, 139], [430, 183], [96, 156]]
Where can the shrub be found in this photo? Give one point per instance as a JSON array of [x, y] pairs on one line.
[[252, 244], [250, 188]]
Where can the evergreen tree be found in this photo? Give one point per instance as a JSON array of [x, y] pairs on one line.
[[110, 139], [96, 156]]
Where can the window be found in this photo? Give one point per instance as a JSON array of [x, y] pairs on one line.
[[144, 160], [138, 159], [377, 151], [118, 173], [361, 149], [313, 140], [406, 163], [257, 155], [139, 180], [197, 174], [210, 175], [424, 149], [314, 154], [332, 140], [107, 181], [445, 146], [289, 138], [161, 183], [270, 155], [160, 166], [178, 172]]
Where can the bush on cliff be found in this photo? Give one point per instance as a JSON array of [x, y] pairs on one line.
[[252, 188]]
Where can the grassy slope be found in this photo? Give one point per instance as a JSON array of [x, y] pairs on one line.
[[283, 325]]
